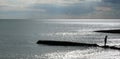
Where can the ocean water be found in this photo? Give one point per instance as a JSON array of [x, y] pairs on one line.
[[18, 39]]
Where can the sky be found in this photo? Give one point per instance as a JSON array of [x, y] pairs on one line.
[[59, 9]]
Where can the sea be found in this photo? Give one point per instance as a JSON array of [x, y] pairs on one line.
[[18, 38]]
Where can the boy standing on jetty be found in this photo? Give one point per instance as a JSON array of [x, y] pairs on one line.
[[105, 40]]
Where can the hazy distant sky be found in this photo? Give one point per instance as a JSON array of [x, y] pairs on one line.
[[60, 9]]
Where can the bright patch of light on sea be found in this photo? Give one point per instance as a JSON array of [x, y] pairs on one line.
[[98, 53]]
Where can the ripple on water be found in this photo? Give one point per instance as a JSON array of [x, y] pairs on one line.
[[91, 53]]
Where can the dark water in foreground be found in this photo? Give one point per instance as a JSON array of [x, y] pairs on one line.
[[18, 39]]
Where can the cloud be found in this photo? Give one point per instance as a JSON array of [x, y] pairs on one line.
[[17, 5], [102, 15], [16, 2], [24, 3], [14, 8], [112, 1], [68, 10], [59, 2], [3, 3], [103, 8], [59, 9]]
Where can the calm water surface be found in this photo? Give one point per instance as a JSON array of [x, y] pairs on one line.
[[18, 39]]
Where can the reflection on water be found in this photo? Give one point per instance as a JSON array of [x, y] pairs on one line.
[[91, 53]]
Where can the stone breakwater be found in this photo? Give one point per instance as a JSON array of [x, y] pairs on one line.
[[117, 31], [66, 43]]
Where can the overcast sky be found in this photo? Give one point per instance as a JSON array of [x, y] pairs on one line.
[[59, 9]]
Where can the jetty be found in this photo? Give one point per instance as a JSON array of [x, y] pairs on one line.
[[115, 31], [63, 43], [66, 43]]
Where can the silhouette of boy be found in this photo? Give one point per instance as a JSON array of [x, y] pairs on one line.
[[105, 40]]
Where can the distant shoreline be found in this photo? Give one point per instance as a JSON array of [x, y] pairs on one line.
[[116, 31]]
